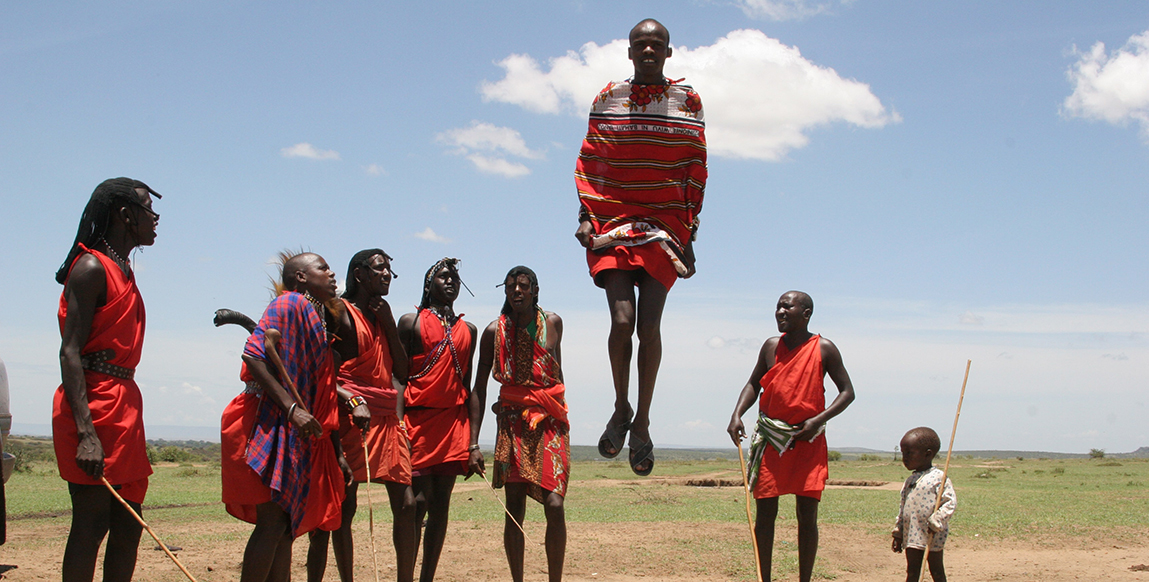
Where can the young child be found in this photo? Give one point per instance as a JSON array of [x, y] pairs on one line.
[[917, 519]]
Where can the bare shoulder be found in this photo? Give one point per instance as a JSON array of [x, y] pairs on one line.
[[86, 270], [491, 329], [554, 320], [407, 322], [830, 351], [471, 326]]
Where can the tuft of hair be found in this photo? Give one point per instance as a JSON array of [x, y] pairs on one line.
[[513, 274], [285, 281], [650, 21], [926, 438], [108, 198], [360, 261]]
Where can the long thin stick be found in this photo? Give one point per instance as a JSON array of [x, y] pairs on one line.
[[946, 470], [164, 546], [272, 337], [749, 520], [370, 506], [508, 512]]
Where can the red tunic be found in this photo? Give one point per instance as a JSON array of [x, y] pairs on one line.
[[793, 391], [116, 404], [533, 442], [264, 458], [369, 375], [437, 417]]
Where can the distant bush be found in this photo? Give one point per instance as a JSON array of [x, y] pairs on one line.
[[1096, 453], [1057, 470], [868, 457], [173, 454], [836, 456]]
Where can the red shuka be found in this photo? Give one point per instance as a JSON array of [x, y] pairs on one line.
[[116, 404], [793, 391], [369, 375], [437, 417]]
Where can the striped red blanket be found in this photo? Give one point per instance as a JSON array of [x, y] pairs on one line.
[[644, 160]]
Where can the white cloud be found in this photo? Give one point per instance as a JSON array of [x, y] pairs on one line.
[[306, 150], [375, 170], [761, 96], [783, 9], [495, 143], [432, 236], [498, 166], [970, 318], [1112, 88]]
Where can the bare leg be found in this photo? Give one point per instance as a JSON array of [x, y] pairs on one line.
[[556, 535], [651, 300], [341, 539], [767, 513], [94, 515], [262, 559], [123, 542], [620, 297], [937, 566], [513, 538], [807, 510], [317, 554], [436, 490], [404, 532]]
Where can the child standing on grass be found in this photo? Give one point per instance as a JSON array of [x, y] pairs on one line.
[[918, 523]]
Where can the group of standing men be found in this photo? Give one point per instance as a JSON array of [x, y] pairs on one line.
[[338, 393]]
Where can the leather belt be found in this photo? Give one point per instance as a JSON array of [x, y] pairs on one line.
[[98, 362]]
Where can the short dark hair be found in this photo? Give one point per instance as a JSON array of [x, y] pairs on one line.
[[926, 437], [360, 261], [110, 196], [657, 24], [514, 274]]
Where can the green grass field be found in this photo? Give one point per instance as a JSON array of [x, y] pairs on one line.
[[996, 498]]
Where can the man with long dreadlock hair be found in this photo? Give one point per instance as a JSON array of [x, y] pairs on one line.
[[532, 449], [282, 465], [97, 412], [440, 406], [371, 381]]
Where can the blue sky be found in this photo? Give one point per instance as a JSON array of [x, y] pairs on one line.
[[949, 182]]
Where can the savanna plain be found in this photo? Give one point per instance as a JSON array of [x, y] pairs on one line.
[[1018, 519]]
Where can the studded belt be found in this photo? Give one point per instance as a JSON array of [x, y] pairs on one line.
[[98, 362]]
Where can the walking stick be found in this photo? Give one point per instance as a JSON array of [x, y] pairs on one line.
[[945, 471], [370, 506], [116, 494], [749, 520], [507, 511]]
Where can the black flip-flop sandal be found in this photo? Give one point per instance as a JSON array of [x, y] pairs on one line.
[[614, 437], [644, 453]]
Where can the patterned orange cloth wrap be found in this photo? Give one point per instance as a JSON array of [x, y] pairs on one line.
[[533, 441], [116, 404], [643, 159], [793, 391]]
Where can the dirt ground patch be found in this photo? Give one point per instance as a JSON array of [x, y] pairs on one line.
[[611, 552]]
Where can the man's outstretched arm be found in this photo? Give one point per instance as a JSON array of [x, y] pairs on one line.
[[749, 394]]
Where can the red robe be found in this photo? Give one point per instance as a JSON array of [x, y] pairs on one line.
[[533, 442], [369, 375], [643, 159], [438, 421], [793, 391], [116, 404], [264, 458]]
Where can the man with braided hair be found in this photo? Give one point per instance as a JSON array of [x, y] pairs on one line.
[[640, 176], [371, 384], [97, 412], [440, 406], [282, 464], [532, 451]]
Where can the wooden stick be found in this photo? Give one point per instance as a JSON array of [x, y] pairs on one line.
[[271, 338], [749, 520], [164, 546], [370, 507], [945, 471], [508, 511]]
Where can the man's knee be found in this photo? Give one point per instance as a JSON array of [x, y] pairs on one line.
[[553, 507], [649, 332]]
